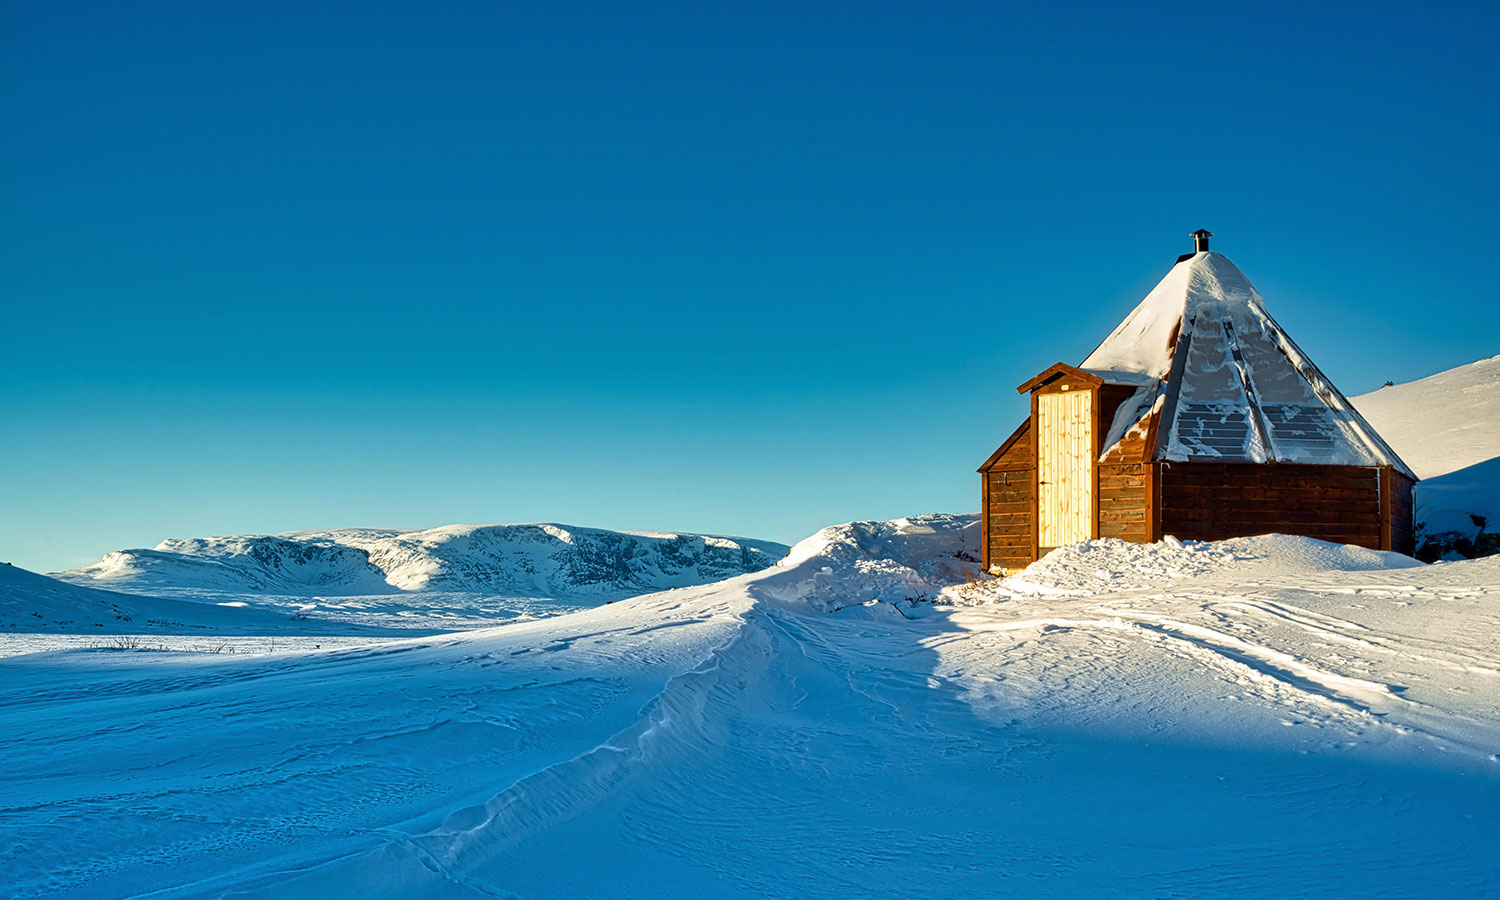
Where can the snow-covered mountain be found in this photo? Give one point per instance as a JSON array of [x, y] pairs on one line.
[[1447, 428], [542, 560]]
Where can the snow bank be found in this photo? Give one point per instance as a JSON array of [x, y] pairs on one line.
[[1109, 565], [860, 562], [936, 557]]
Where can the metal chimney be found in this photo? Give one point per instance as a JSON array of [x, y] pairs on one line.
[[1200, 240]]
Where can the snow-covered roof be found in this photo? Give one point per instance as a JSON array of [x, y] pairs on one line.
[[1234, 386]]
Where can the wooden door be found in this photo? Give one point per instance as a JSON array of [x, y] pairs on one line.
[[1065, 468]]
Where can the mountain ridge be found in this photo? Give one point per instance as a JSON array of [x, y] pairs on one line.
[[524, 560]]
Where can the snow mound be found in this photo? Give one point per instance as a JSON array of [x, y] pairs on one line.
[[1108, 565], [862, 562], [544, 560]]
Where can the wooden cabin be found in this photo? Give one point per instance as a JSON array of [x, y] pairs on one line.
[[1198, 417]]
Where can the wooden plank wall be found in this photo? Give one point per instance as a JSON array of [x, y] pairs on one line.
[[1008, 491], [1213, 501], [1124, 478], [1122, 502]]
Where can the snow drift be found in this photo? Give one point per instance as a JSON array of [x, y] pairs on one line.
[[1122, 720], [860, 562], [542, 560]]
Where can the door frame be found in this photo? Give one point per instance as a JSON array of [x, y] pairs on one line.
[[1056, 379]]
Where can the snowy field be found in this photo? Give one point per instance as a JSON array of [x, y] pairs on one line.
[[1266, 717]]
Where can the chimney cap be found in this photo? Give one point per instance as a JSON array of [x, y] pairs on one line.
[[1202, 232]]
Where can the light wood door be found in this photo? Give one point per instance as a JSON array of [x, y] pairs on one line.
[[1065, 468]]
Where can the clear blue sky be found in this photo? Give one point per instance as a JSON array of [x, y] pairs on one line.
[[748, 268]]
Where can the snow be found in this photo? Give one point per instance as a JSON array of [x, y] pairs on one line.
[[1107, 565], [1450, 502], [1270, 716], [1448, 427], [514, 560], [1145, 340], [279, 592], [1245, 391], [1441, 423], [35, 604], [861, 562]]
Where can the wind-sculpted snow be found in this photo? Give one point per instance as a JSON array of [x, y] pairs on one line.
[[511, 560], [1267, 717], [859, 562]]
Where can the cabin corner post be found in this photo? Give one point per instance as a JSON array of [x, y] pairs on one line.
[[1097, 448], [984, 520], [1036, 482], [1158, 475], [1151, 471], [1385, 508]]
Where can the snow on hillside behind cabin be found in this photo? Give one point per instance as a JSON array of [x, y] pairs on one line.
[[1447, 428], [542, 560], [1441, 423], [1263, 717]]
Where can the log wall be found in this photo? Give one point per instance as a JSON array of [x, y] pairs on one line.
[[1124, 507], [1009, 484], [1213, 501], [1125, 489]]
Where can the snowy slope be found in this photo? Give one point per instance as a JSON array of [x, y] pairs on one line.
[[1269, 717], [1447, 428], [1441, 423], [514, 560], [35, 604]]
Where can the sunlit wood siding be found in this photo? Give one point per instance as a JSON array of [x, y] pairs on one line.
[[1008, 481], [1213, 501], [1124, 477]]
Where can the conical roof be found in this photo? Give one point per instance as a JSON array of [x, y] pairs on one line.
[[1227, 382]]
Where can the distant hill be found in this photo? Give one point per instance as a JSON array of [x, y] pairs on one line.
[[1447, 428], [36, 604], [540, 560]]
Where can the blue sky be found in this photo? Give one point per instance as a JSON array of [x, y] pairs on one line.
[[747, 268]]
